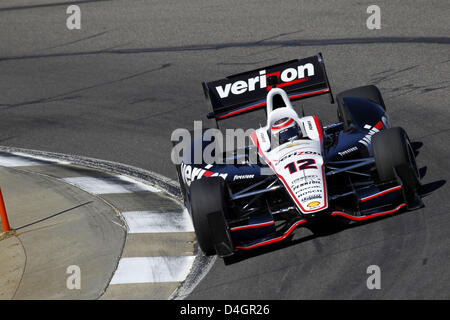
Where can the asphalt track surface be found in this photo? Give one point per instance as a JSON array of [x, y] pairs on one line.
[[117, 88]]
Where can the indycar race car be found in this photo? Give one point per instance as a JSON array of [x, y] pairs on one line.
[[358, 168]]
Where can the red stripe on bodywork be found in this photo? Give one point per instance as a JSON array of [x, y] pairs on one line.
[[285, 84], [380, 193], [319, 129], [250, 226], [370, 216], [309, 94], [207, 174], [379, 125], [284, 236], [264, 103], [242, 110], [289, 83]]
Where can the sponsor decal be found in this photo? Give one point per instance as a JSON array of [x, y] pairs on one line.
[[189, 173], [311, 197], [262, 136], [310, 183], [305, 191], [367, 140], [345, 152], [244, 176], [306, 177], [260, 81], [298, 153], [313, 204], [293, 145]]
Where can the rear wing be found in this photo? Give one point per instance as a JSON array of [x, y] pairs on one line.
[[247, 91]]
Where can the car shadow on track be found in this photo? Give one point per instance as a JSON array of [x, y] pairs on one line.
[[425, 189]]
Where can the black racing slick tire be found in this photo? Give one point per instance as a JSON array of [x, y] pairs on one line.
[[392, 150], [370, 92], [208, 209]]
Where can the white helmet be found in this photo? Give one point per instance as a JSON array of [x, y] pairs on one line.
[[284, 130]]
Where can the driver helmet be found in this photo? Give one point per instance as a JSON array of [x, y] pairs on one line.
[[285, 130]]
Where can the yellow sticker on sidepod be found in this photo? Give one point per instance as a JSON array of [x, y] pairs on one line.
[[313, 204]]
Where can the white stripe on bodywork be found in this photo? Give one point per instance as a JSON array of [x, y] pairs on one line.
[[157, 222], [106, 185], [152, 269]]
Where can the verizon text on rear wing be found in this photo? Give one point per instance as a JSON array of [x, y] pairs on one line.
[[245, 92]]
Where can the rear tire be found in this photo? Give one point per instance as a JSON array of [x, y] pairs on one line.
[[369, 92], [208, 199], [392, 149]]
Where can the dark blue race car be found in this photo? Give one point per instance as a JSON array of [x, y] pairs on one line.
[[358, 168]]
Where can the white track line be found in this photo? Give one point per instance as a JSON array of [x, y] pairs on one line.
[[157, 222], [18, 162], [152, 269], [107, 185]]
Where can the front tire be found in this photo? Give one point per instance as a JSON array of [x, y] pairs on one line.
[[209, 209], [392, 150]]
